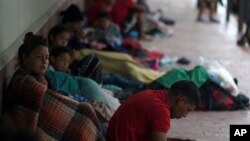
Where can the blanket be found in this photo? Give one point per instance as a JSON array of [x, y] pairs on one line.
[[49, 114], [114, 62], [73, 85]]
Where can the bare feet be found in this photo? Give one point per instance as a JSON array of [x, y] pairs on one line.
[[146, 38]]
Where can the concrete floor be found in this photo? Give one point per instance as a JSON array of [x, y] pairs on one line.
[[212, 41]]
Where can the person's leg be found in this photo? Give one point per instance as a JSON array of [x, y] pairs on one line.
[[212, 10], [201, 9], [240, 25], [139, 27]]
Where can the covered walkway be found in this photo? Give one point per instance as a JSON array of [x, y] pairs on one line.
[[213, 41]]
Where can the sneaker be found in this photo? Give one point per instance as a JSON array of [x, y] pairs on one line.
[[242, 41], [201, 20], [183, 61], [214, 20]]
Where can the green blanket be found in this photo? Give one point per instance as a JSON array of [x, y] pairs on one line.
[[198, 75]]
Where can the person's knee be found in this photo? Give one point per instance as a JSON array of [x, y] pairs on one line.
[[201, 4], [212, 3]]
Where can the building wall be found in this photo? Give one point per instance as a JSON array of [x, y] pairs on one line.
[[19, 17]]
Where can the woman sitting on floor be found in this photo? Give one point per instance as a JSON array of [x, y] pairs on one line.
[[31, 104]]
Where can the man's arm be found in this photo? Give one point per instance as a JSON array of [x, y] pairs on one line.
[[158, 136]]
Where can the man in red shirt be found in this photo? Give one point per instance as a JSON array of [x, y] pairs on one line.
[[146, 115]]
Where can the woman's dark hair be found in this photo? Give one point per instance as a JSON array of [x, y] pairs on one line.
[[188, 89], [104, 14], [30, 43], [71, 14], [56, 51], [56, 30]]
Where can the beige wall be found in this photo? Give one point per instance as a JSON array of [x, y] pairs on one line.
[[18, 17]]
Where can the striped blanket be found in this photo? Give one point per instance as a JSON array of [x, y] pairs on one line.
[[50, 114]]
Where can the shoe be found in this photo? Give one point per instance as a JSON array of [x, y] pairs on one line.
[[167, 21], [242, 100], [242, 41], [214, 20], [236, 81], [200, 20], [183, 61]]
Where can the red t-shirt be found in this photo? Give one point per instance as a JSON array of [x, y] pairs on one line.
[[94, 8], [144, 112], [120, 10]]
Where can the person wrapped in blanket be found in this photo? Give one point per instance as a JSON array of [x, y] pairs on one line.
[[75, 86], [105, 36], [119, 85], [213, 95], [53, 116], [89, 66], [112, 62]]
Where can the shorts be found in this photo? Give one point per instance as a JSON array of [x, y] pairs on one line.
[[207, 2]]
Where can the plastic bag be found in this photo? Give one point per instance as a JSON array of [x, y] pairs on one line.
[[219, 75]]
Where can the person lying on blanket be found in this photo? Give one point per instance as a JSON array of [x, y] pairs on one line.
[[88, 66], [71, 85]]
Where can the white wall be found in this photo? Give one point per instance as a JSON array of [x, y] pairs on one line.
[[19, 17]]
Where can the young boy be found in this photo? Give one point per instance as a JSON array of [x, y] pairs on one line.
[[60, 59], [107, 32]]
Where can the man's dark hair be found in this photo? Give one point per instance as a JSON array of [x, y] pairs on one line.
[[188, 89], [56, 51]]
